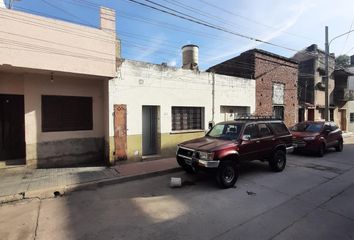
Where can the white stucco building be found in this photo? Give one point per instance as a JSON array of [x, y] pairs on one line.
[[160, 106]]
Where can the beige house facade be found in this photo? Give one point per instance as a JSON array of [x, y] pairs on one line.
[[53, 89]]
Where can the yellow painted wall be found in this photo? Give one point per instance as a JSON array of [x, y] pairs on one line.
[[168, 145]]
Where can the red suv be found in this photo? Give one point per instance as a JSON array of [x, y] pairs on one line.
[[228, 144], [317, 136]]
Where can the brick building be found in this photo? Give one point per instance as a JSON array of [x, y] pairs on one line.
[[276, 81]]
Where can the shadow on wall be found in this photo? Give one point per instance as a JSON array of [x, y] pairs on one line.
[[71, 153]]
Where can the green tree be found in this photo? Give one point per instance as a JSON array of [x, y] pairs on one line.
[[342, 61]]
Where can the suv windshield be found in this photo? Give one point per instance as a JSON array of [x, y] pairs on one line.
[[227, 131], [307, 127]]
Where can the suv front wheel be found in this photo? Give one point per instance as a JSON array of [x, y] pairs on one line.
[[227, 174], [278, 162]]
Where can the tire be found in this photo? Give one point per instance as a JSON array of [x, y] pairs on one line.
[[278, 162], [321, 150], [227, 175], [339, 147]]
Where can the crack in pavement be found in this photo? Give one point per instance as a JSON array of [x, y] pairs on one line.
[[37, 220], [285, 202], [318, 207]]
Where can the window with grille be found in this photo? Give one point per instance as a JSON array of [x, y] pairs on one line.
[[278, 112], [66, 113], [187, 118], [331, 114], [351, 117]]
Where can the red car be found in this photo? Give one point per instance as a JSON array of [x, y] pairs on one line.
[[228, 144], [317, 136]]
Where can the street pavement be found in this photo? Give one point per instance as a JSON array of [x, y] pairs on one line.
[[313, 198]]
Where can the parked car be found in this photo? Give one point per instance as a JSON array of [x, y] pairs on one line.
[[228, 144], [317, 136]]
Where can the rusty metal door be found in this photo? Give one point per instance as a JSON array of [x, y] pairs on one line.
[[120, 131]]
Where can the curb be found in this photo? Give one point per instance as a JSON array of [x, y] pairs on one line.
[[56, 191], [346, 135]]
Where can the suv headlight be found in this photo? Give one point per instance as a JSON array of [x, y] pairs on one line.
[[206, 156], [309, 138]]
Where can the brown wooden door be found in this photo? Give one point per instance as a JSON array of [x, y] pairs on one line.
[[12, 134], [120, 131], [310, 115], [343, 119]]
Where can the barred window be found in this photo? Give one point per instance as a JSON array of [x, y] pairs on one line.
[[278, 112], [331, 115], [351, 117], [187, 118], [66, 113]]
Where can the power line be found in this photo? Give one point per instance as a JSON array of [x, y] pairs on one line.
[[173, 13], [67, 12], [346, 39], [173, 53], [56, 27], [57, 43], [53, 50], [250, 19]]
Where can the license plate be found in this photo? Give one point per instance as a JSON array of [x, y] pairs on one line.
[[188, 161]]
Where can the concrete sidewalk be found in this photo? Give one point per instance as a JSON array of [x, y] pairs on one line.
[[20, 182]]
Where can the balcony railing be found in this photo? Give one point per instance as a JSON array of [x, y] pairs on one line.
[[343, 95]]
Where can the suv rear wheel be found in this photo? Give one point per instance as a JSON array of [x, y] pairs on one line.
[[227, 174], [278, 162], [339, 147], [321, 150]]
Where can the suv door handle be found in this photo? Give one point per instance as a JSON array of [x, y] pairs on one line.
[[258, 141]]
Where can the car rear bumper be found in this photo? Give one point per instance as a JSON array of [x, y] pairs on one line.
[[290, 149]]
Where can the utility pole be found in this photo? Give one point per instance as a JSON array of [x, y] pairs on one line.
[[213, 96], [326, 75], [327, 44]]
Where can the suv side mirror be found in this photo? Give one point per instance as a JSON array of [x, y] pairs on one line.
[[327, 131], [246, 137]]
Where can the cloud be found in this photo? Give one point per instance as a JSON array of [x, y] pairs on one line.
[[172, 63], [294, 12], [152, 48]]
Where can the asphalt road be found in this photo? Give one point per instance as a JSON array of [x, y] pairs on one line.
[[313, 198]]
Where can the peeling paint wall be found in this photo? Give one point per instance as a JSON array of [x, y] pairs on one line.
[[138, 84]]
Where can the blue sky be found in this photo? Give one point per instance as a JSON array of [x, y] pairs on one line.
[[152, 36]]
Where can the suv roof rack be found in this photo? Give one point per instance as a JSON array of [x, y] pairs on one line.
[[255, 117]]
